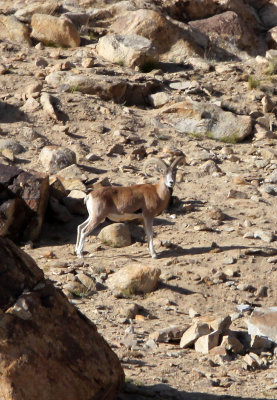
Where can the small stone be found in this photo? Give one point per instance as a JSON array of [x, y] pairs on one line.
[[229, 261], [272, 260], [193, 313], [116, 149], [266, 236], [262, 291], [88, 62], [170, 334], [232, 343], [236, 194], [41, 62], [253, 360]]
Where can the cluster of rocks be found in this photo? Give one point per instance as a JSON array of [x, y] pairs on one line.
[[225, 28], [212, 335]]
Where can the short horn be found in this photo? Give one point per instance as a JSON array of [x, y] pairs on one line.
[[177, 161], [157, 163]]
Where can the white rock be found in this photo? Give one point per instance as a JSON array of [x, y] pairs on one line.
[[205, 343]]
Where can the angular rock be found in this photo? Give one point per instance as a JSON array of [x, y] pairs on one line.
[[42, 329], [220, 324], [230, 342], [204, 119], [263, 322], [47, 102], [207, 342], [105, 87], [232, 25], [129, 50], [14, 30], [116, 235], [193, 333], [159, 99], [87, 281], [24, 14], [53, 30], [24, 198], [75, 203], [71, 172], [54, 158], [134, 279], [253, 360], [149, 24], [58, 210], [266, 236], [172, 333], [12, 145], [260, 344]]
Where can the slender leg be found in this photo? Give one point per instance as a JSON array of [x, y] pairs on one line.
[[148, 226], [84, 232], [80, 227]]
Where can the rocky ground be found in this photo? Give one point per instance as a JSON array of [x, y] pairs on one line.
[[216, 243]]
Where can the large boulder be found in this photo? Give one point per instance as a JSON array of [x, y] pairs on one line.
[[149, 24], [169, 38], [23, 201], [53, 30], [48, 349], [231, 29], [205, 119]]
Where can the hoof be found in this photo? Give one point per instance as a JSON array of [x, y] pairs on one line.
[[154, 256]]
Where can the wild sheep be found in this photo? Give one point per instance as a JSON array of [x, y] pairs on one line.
[[125, 203]]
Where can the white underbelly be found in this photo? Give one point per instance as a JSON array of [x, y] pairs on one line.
[[124, 217]]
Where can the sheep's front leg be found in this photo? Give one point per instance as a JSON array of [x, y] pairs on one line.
[[148, 226]]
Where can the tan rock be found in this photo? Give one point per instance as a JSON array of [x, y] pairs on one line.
[[21, 216], [220, 324], [230, 342], [205, 343], [193, 333], [24, 14], [11, 28], [128, 50], [116, 235], [53, 30], [134, 279], [172, 333]]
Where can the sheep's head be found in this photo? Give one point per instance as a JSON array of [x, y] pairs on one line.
[[168, 171]]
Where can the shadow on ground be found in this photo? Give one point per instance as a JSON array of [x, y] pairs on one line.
[[162, 391], [10, 113]]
